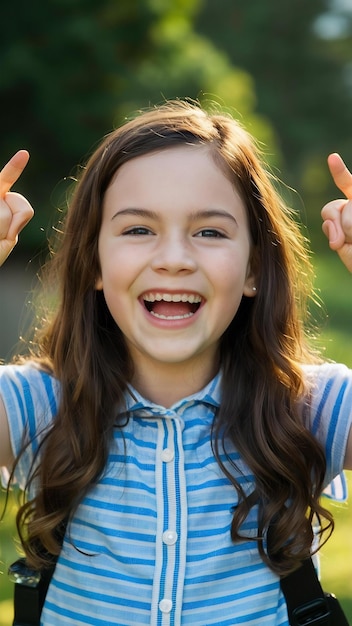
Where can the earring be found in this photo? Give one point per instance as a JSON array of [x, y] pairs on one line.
[[254, 289]]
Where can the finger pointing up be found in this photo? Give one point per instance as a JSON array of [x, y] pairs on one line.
[[341, 174], [12, 171]]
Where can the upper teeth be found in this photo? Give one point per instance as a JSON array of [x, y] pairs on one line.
[[172, 297]]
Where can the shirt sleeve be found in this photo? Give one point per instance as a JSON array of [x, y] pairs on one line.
[[328, 414], [30, 399]]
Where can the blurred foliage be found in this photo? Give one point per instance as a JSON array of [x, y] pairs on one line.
[[73, 69], [299, 55]]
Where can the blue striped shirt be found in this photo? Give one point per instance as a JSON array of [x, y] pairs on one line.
[[150, 543]]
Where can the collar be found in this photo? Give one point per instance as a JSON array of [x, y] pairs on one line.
[[209, 395]]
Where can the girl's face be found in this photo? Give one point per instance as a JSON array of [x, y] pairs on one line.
[[174, 251]]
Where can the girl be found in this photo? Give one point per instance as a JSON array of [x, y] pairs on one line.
[[171, 410]]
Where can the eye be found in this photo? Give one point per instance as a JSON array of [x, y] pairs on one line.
[[137, 230], [210, 232]]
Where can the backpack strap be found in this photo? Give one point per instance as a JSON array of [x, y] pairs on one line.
[[307, 604], [31, 587]]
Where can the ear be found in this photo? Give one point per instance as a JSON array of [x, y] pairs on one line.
[[99, 284], [250, 288]]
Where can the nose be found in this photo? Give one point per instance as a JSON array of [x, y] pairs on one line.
[[174, 255]]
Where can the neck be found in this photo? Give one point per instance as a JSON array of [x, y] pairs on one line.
[[166, 384]]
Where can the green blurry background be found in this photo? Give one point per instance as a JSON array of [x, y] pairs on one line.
[[71, 70]]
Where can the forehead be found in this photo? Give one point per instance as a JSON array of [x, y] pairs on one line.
[[191, 167], [179, 182]]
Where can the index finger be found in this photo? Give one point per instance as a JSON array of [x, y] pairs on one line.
[[12, 171], [341, 174]]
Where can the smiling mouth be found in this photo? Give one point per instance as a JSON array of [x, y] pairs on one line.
[[175, 306]]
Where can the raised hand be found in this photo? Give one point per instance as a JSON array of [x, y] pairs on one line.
[[15, 210], [337, 215]]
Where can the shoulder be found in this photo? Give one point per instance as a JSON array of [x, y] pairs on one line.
[[327, 409], [326, 378], [30, 399], [328, 388], [29, 376], [29, 393]]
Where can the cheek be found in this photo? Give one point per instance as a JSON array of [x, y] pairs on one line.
[[112, 265], [231, 271], [230, 284], [117, 281], [116, 306]]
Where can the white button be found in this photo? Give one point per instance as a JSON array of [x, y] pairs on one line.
[[165, 605], [169, 537], [167, 455]]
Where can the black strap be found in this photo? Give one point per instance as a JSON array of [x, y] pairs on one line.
[[31, 588], [28, 605], [302, 589], [307, 604], [31, 585], [302, 585]]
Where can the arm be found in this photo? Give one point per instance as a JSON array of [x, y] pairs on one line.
[[6, 454], [348, 455], [15, 213], [337, 226]]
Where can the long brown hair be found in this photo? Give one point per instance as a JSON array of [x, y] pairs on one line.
[[261, 351]]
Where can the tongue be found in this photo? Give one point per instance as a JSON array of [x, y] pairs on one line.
[[170, 309]]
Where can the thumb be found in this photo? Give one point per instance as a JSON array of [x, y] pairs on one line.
[[334, 233]]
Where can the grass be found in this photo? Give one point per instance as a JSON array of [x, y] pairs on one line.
[[335, 556], [336, 292], [8, 554]]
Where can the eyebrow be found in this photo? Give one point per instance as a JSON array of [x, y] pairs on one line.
[[195, 215], [208, 213], [138, 212]]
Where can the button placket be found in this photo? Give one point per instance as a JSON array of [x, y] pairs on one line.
[[171, 535]]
